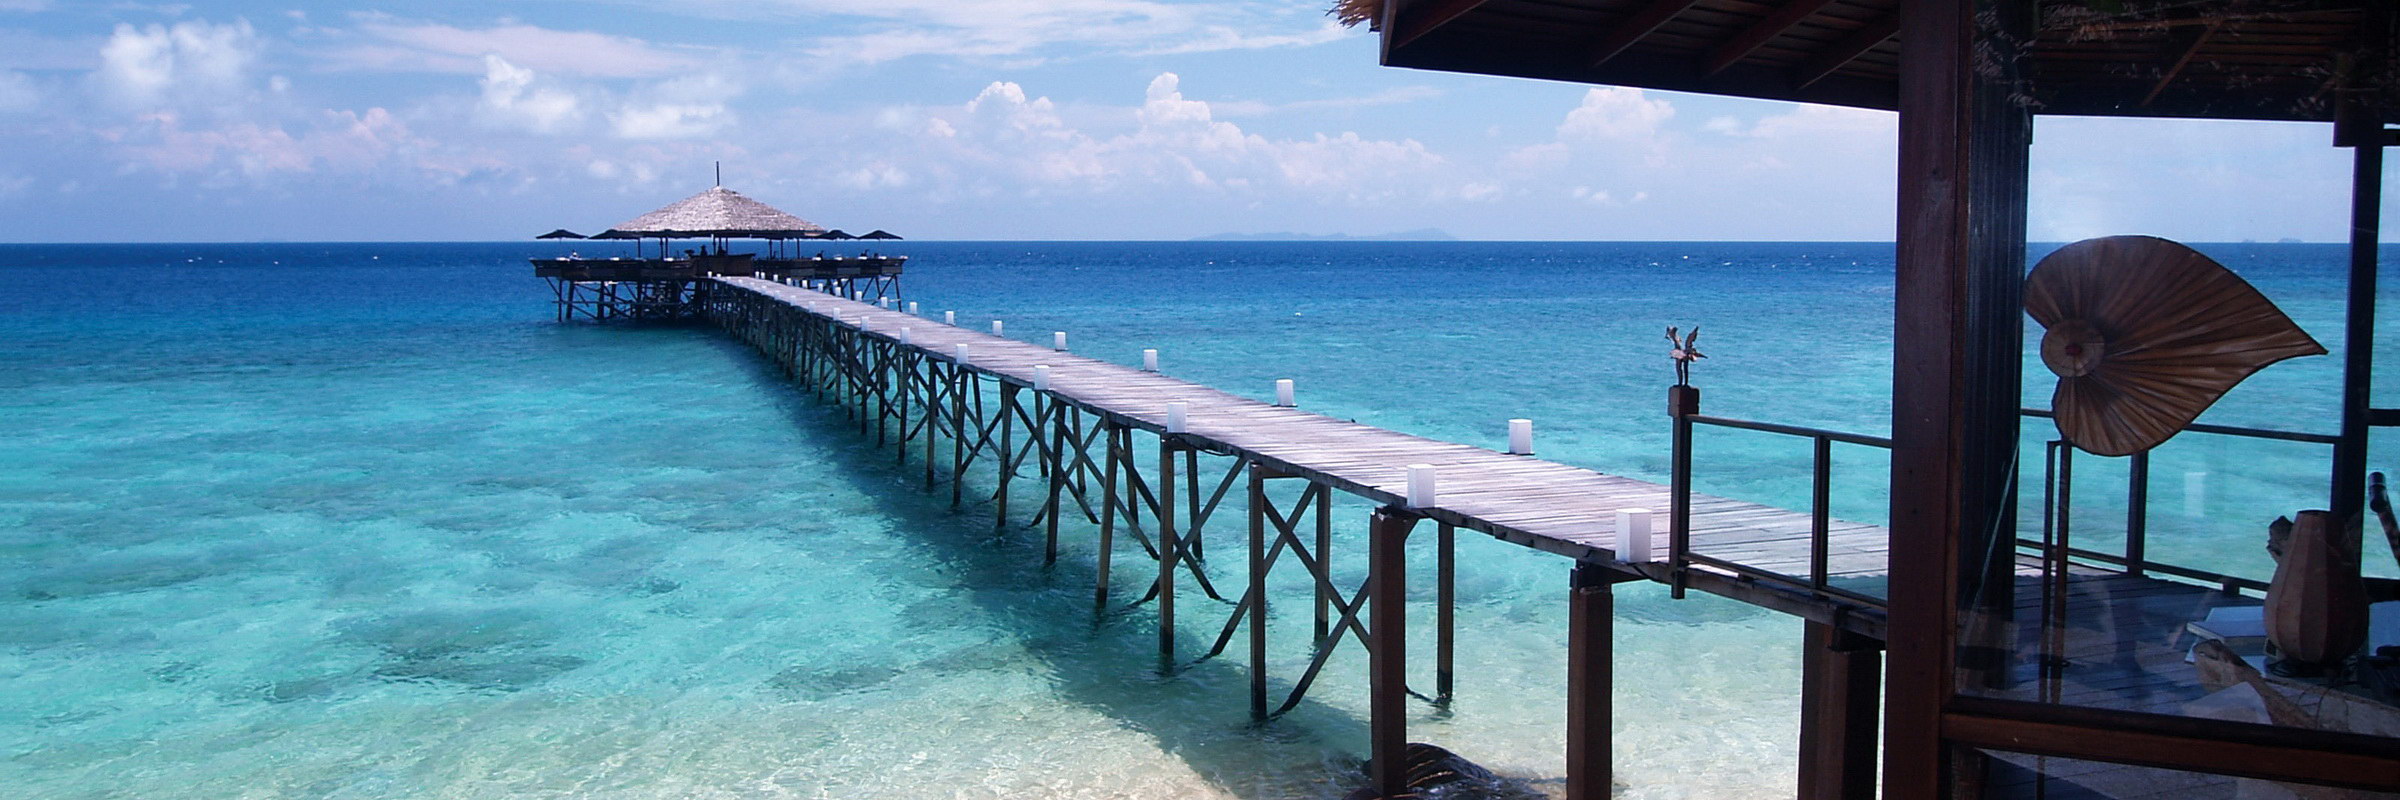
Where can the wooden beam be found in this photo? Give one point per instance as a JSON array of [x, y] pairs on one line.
[[1840, 674], [1591, 615], [2359, 761], [1387, 659], [1416, 24], [1957, 351], [1848, 49], [1759, 33], [1635, 26], [2184, 44]]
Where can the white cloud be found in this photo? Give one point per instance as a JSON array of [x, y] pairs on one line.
[[18, 93], [426, 47], [513, 97], [1174, 142], [198, 62], [1036, 29], [333, 141], [1615, 113], [669, 120]]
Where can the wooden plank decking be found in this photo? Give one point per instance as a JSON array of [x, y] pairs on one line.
[[1554, 507]]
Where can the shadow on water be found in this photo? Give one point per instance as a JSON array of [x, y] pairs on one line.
[[1199, 715]]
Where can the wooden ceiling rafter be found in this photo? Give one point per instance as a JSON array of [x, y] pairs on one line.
[[1765, 30], [1847, 49], [1635, 26], [2185, 44], [1415, 25]]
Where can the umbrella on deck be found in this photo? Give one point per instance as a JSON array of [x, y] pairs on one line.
[[561, 233], [836, 234], [880, 234]]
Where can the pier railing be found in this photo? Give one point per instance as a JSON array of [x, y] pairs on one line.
[[1684, 408]]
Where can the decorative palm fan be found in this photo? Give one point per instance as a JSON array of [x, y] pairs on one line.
[[2145, 334]]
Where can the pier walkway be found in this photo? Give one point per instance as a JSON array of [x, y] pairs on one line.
[[1027, 408], [1546, 505]]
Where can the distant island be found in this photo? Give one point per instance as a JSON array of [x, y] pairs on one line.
[[1418, 235]]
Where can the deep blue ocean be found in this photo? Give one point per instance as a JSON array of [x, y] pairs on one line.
[[364, 521]]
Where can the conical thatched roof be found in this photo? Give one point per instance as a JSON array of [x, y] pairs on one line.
[[561, 233], [720, 212]]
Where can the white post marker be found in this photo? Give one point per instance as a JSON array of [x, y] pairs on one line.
[[1178, 415], [1041, 377], [905, 338], [961, 355], [949, 317], [1283, 393], [1149, 360], [1420, 486], [2195, 494], [997, 328], [1520, 437], [912, 306], [1633, 536], [1058, 341]]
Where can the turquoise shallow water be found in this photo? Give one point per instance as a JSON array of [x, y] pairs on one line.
[[361, 521]]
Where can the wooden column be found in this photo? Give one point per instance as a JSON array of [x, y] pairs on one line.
[[1957, 348], [1258, 593], [1170, 553], [1839, 675], [1387, 658], [1591, 628]]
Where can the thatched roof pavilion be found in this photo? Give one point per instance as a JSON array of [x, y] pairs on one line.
[[719, 213]]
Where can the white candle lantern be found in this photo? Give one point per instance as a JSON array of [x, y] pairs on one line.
[[997, 328], [905, 335], [960, 353], [1420, 486], [1283, 393], [912, 306], [1058, 341], [949, 317], [1633, 535], [1178, 415], [1041, 377], [1520, 437], [1149, 360]]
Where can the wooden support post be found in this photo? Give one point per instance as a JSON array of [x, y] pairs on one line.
[[1108, 516], [1387, 659], [1258, 593], [1840, 674], [1170, 554], [960, 381], [1058, 481], [1324, 559], [1591, 618], [1008, 452], [1445, 611]]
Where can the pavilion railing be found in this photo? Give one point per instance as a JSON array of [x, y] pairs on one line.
[[2058, 477]]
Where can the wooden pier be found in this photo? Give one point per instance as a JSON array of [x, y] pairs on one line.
[[1069, 425]]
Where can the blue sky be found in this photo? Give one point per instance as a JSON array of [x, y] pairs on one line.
[[990, 119]]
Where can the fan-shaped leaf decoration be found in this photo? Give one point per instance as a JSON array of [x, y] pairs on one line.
[[2145, 334]]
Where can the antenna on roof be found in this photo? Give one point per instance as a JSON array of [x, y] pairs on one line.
[[720, 174]]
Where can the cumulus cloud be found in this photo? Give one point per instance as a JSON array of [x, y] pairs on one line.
[[1615, 113], [514, 96], [154, 66], [1173, 141]]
